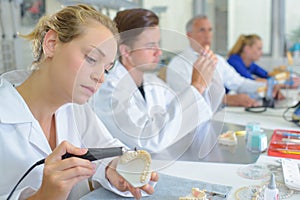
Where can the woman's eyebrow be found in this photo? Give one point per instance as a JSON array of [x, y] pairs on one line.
[[99, 50]]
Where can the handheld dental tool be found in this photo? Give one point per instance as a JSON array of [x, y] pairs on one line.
[[91, 155], [98, 153]]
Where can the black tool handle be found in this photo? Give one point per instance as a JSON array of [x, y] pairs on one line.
[[98, 153]]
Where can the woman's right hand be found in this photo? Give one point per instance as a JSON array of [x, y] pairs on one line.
[[60, 176], [203, 70]]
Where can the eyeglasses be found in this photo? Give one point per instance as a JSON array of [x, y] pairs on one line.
[[109, 67]]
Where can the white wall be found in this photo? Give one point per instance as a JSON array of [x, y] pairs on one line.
[[253, 17], [172, 22], [22, 52], [248, 17], [11, 53]]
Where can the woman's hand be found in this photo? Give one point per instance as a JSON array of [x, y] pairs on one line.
[[60, 176], [203, 70], [121, 184]]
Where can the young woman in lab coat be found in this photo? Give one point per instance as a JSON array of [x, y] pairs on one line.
[[137, 106], [43, 114]]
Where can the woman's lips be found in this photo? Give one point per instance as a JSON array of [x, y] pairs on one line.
[[91, 90]]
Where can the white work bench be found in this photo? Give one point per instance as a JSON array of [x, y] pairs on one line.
[[221, 165]]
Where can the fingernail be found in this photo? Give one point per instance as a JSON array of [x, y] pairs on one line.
[[83, 150], [94, 165]]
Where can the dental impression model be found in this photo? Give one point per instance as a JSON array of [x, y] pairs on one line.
[[134, 166], [228, 138], [196, 195]]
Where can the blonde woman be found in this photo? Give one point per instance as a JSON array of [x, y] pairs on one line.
[[243, 55], [44, 113]]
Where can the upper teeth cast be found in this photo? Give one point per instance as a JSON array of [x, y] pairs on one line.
[[139, 154]]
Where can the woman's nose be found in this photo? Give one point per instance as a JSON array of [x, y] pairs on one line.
[[102, 78], [98, 78]]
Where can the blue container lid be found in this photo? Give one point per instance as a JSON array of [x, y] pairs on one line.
[[295, 47]]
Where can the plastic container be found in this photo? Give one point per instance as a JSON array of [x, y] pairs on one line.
[[252, 127], [257, 141]]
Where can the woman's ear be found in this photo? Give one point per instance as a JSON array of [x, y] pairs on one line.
[[49, 42], [247, 48], [124, 50]]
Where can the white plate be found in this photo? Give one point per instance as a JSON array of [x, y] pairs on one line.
[[132, 172]]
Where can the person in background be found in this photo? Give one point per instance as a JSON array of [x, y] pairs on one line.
[[199, 32], [244, 53], [247, 50], [44, 113], [137, 106]]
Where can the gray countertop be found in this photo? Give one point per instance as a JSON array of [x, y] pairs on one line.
[[202, 145]]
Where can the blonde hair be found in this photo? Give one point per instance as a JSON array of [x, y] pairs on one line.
[[68, 24], [243, 40]]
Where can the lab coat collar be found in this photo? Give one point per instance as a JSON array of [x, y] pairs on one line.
[[122, 74], [15, 111], [150, 82], [190, 55], [190, 50], [120, 71], [13, 107]]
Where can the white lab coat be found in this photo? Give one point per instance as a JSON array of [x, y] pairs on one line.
[[22, 142], [154, 124], [183, 64]]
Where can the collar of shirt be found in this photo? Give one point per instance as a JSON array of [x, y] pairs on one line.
[[195, 53], [13, 107]]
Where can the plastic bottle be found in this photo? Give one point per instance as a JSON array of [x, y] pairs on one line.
[[268, 100], [296, 50], [271, 192]]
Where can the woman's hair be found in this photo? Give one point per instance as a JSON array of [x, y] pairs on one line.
[[68, 23], [243, 40], [132, 23]]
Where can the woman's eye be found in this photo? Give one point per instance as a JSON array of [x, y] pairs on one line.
[[90, 60]]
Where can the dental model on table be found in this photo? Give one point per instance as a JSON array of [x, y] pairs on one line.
[[196, 195]]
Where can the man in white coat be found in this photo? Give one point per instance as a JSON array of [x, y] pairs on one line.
[[199, 32], [137, 107]]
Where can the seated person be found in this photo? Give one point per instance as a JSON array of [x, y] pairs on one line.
[[44, 113], [136, 106], [242, 56], [199, 32]]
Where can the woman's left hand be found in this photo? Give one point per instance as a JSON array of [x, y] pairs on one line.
[[121, 184]]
